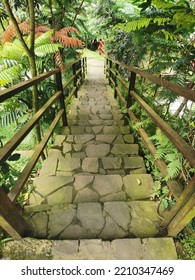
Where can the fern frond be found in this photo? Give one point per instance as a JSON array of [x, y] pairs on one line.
[[41, 28], [43, 38], [7, 76], [183, 19], [137, 24], [162, 4], [25, 27], [69, 29], [13, 51], [173, 169], [8, 34], [46, 49], [66, 41]]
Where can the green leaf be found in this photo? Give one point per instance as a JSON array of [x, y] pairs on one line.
[[14, 157], [5, 168]]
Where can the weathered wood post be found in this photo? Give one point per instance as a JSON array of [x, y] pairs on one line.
[[61, 98], [75, 79], [10, 218], [115, 80]]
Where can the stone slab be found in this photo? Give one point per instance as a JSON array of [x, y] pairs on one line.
[[82, 139], [133, 162], [112, 163], [59, 221], [127, 249], [86, 195], [90, 165], [49, 167], [97, 151], [125, 149], [65, 249], [69, 165], [119, 212], [159, 249], [81, 181], [46, 185], [138, 186], [107, 184], [91, 216]]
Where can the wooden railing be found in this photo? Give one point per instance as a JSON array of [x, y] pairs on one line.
[[11, 219], [184, 209]]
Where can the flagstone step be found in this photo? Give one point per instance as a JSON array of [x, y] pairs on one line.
[[90, 249], [95, 122], [78, 162], [90, 220], [84, 139], [80, 188], [96, 129]]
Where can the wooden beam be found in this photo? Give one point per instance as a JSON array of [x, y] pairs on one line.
[[13, 143], [20, 183], [182, 200], [172, 184], [10, 218], [183, 217], [180, 144], [179, 90], [10, 92]]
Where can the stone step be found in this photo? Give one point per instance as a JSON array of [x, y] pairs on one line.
[[85, 139], [93, 249], [94, 109], [80, 188], [95, 122], [96, 129], [91, 220], [78, 162]]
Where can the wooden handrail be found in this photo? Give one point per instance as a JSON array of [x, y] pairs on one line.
[[13, 143], [20, 183], [184, 210], [10, 92], [179, 90], [13, 223]]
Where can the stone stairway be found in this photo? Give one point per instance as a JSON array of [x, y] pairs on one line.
[[92, 197]]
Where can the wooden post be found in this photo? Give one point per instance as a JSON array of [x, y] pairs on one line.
[[61, 98], [10, 218], [83, 67], [183, 217], [131, 87], [182, 200], [106, 67], [115, 80], [81, 74], [75, 79], [110, 73]]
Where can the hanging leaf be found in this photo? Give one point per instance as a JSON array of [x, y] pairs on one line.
[[14, 157]]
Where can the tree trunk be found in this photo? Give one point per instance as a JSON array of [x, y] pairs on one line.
[[29, 51], [77, 12]]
